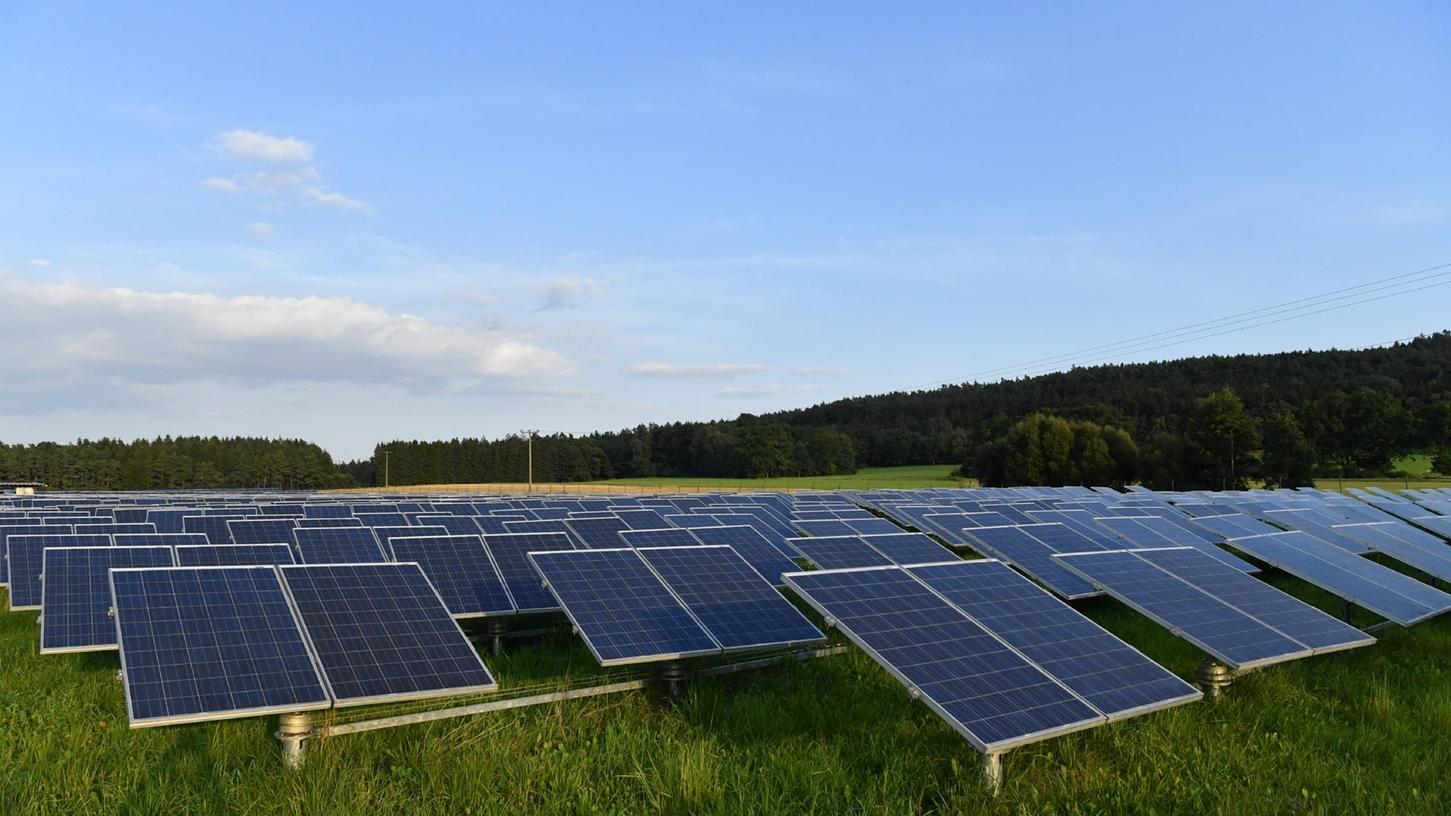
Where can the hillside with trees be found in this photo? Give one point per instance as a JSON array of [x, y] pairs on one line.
[[1207, 422]]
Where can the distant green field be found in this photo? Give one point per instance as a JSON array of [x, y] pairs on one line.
[[864, 479]]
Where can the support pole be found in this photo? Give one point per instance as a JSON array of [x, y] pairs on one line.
[[496, 628], [1345, 610], [293, 731], [673, 673], [992, 773], [1214, 677]]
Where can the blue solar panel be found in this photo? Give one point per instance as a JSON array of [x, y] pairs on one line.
[[729, 598], [667, 537], [598, 533], [383, 535], [909, 548], [824, 528], [261, 531], [210, 644], [17, 527], [984, 690], [494, 525], [455, 525], [642, 519], [749, 544], [157, 539], [1380, 589], [460, 569], [27, 554], [622, 610], [543, 526], [1019, 547], [873, 526], [213, 527], [1219, 629], [381, 519], [1264, 603], [1152, 532], [329, 522], [233, 555], [510, 552], [1111, 675], [337, 545], [1397, 541], [380, 632], [327, 511], [840, 552], [112, 529], [689, 520], [76, 596]]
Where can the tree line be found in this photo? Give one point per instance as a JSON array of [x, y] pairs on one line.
[[1197, 422]]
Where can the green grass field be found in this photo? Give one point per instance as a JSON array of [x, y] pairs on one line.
[[1358, 732]]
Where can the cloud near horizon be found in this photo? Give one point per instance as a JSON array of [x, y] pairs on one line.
[[679, 371], [122, 336], [286, 166]]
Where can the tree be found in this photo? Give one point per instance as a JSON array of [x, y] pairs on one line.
[[766, 449], [1289, 458], [1039, 451], [1225, 435]]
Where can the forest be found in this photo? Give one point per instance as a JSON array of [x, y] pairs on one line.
[[1198, 422]]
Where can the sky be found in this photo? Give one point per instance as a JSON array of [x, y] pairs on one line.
[[357, 222]]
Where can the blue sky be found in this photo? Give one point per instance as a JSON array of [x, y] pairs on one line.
[[352, 223]]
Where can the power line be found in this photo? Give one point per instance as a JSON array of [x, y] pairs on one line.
[[1288, 310]]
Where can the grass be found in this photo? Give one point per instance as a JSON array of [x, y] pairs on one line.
[[1355, 732], [864, 479]]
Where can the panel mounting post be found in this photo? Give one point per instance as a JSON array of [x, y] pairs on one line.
[[293, 730], [992, 773], [496, 628], [1214, 677], [673, 673]]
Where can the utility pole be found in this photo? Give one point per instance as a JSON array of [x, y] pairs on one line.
[[529, 437], [385, 468]]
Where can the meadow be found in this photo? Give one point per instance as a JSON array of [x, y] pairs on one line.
[[1355, 732]]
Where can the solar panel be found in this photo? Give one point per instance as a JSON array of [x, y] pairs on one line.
[[839, 552], [76, 595], [642, 519], [909, 548], [824, 528], [233, 555], [261, 531], [982, 688], [27, 554], [1111, 675], [1219, 629], [17, 527], [329, 522], [1019, 547], [1395, 540], [327, 511], [729, 598], [598, 533], [156, 539], [381, 519], [543, 526], [748, 544], [112, 529], [510, 552], [1153, 532], [873, 526], [1264, 603], [1380, 589], [667, 537], [455, 525], [383, 535], [622, 610], [210, 644], [213, 527], [460, 569], [381, 632], [337, 545]]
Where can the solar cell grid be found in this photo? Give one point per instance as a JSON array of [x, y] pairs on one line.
[[667, 537], [510, 552], [336, 545], [381, 632], [27, 560], [909, 548], [461, 570], [840, 552], [1019, 547], [1111, 675], [1219, 629], [598, 533], [76, 594], [750, 545], [210, 644], [261, 531], [983, 689], [622, 610], [729, 598], [233, 555], [156, 539]]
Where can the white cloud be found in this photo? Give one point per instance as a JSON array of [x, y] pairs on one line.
[[287, 169], [40, 262], [680, 371], [808, 371], [257, 146], [317, 195], [566, 292], [222, 185], [260, 230], [768, 390], [122, 338]]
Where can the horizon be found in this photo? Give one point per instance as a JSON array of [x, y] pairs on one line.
[[462, 225]]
